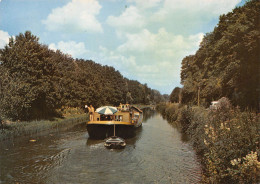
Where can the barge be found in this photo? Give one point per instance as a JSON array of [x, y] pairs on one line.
[[124, 120]]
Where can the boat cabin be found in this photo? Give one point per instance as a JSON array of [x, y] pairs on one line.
[[125, 113], [125, 119], [118, 116]]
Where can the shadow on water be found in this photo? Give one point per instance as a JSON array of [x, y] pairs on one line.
[[148, 113], [176, 125]]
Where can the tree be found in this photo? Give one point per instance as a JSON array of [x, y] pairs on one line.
[[129, 98], [174, 96], [227, 62], [36, 82], [28, 91]]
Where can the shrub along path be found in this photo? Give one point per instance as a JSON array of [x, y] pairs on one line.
[[226, 139]]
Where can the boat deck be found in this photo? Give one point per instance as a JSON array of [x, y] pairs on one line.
[[109, 123]]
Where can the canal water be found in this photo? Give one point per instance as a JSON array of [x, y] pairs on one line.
[[157, 154]]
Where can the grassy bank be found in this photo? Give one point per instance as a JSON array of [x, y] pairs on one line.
[[226, 139], [17, 129], [142, 106]]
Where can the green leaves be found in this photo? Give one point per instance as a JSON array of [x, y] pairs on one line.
[[35, 82], [226, 139], [175, 95], [227, 63]]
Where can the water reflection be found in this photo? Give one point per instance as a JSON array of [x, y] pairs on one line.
[[93, 142], [148, 113], [155, 155], [177, 126]]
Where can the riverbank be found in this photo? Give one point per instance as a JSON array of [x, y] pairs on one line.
[[16, 129], [227, 140], [142, 106]]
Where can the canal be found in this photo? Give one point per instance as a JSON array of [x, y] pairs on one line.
[[157, 154]]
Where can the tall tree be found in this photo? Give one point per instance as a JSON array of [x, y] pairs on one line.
[[174, 96], [27, 90], [227, 62]]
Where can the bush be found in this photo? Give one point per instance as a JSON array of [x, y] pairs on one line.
[[230, 135], [184, 117], [226, 139], [246, 168]]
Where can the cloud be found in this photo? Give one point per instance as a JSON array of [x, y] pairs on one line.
[[162, 44], [76, 50], [158, 75], [187, 16], [130, 19], [153, 37], [178, 16], [211, 7], [153, 58], [4, 38], [76, 16], [145, 4]]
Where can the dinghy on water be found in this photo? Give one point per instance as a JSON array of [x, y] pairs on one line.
[[115, 142]]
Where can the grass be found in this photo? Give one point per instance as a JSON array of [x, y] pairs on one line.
[[16, 129], [142, 106]]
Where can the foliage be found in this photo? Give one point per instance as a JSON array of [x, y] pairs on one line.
[[227, 62], [168, 111], [247, 167], [227, 140], [27, 80], [175, 95], [38, 83]]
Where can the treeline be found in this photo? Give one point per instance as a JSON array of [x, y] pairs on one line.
[[227, 63], [36, 81]]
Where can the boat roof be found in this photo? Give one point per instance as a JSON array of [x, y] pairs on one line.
[[135, 108]]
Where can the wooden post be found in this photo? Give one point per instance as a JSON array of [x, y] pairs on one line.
[[258, 73], [199, 96], [180, 96]]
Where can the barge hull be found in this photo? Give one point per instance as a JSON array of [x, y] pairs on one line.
[[101, 131]]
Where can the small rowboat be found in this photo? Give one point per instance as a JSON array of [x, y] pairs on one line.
[[115, 142]]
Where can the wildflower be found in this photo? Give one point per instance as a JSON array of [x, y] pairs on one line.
[[235, 161], [205, 142]]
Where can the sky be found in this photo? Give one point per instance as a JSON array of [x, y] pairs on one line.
[[145, 40]]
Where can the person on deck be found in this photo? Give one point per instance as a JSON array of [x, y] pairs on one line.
[[91, 111]]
